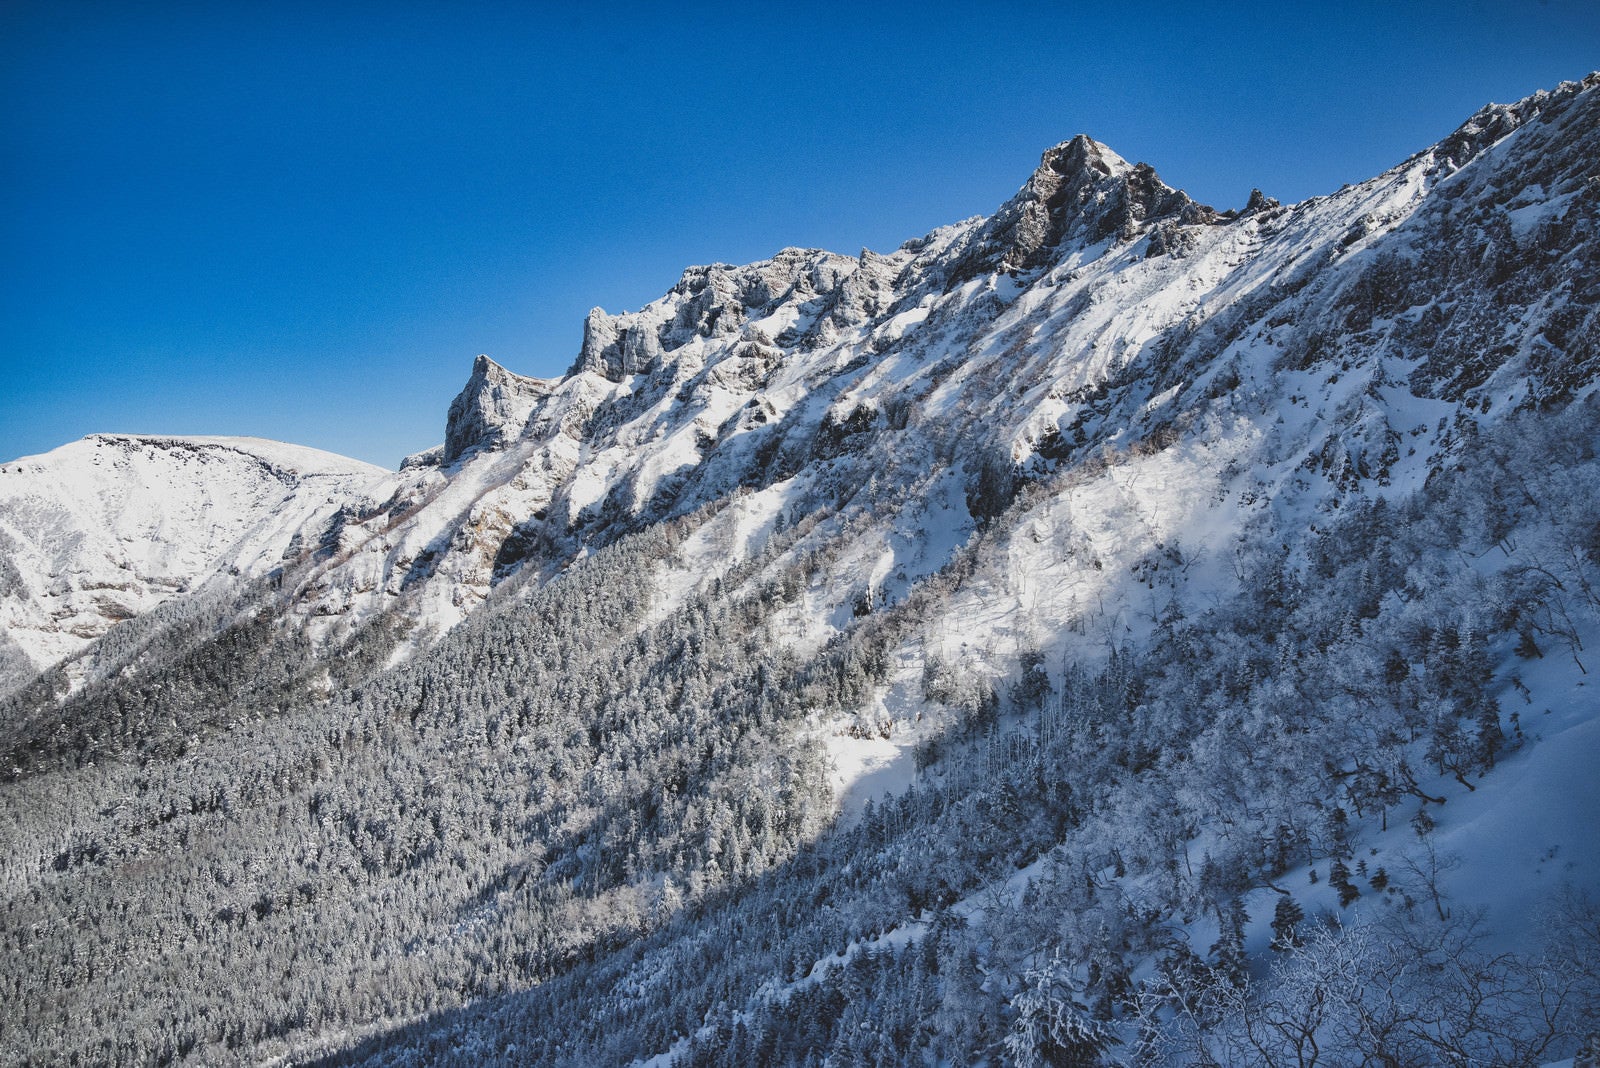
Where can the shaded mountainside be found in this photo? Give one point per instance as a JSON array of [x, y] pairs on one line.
[[1016, 647]]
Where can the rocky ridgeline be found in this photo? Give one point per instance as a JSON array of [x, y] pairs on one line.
[[1098, 309]]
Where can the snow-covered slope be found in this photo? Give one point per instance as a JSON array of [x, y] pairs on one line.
[[1097, 310], [107, 528]]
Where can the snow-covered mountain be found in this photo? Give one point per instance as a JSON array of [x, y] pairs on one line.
[[1098, 308], [1153, 558], [107, 528]]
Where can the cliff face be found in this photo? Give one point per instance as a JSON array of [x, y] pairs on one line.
[[491, 409]]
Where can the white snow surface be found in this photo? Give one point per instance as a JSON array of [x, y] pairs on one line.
[[108, 527]]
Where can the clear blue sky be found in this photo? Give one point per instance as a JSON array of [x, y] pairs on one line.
[[300, 223]]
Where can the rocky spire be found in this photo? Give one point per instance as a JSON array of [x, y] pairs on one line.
[[615, 346], [1260, 202], [1081, 190], [492, 409], [1074, 179]]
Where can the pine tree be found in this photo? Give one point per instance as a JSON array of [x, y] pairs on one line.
[[1286, 919], [1052, 1027], [1339, 879], [1227, 954]]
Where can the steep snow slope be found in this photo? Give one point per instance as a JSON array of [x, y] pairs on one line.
[[107, 528], [1098, 309], [1293, 351]]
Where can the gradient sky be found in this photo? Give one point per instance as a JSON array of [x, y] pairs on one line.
[[300, 223]]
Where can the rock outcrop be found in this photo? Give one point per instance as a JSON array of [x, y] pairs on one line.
[[493, 408]]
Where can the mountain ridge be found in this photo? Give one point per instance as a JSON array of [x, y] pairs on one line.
[[110, 526], [740, 376]]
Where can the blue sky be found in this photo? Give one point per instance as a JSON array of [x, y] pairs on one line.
[[302, 221]]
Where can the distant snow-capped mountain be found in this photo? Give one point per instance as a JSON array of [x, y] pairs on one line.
[[107, 528]]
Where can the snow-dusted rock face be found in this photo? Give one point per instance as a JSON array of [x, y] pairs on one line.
[[492, 408], [1098, 312], [1083, 192], [1101, 308], [108, 527]]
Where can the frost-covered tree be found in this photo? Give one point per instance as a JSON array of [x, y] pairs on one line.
[[1052, 1028]]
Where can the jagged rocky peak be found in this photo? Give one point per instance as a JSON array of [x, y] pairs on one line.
[[1074, 179], [491, 410], [1259, 202], [613, 348], [711, 301], [794, 274], [1081, 192], [1495, 121], [1082, 155]]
